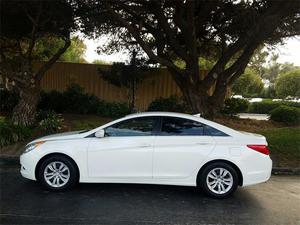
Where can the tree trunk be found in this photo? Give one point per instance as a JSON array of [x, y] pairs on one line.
[[201, 102], [24, 112]]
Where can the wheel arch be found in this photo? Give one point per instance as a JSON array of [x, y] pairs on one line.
[[236, 168], [54, 154]]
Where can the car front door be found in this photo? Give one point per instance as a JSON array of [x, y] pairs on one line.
[[180, 147], [126, 151]]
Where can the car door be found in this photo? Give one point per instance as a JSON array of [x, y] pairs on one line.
[[180, 148], [126, 151]]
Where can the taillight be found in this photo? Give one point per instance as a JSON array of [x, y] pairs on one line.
[[260, 148]]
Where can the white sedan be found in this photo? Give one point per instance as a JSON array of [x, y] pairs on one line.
[[151, 148]]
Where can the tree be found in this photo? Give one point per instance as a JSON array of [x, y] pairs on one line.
[[101, 62], [75, 53], [288, 84], [46, 47], [258, 60], [24, 24], [228, 32], [248, 84], [128, 76]]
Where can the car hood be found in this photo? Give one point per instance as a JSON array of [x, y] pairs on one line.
[[61, 136]]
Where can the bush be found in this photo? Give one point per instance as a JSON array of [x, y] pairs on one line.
[[233, 106], [266, 106], [288, 84], [10, 133], [49, 121], [112, 109], [74, 100], [286, 114], [171, 104], [52, 100], [8, 100]]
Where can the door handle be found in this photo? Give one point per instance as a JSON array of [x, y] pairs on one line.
[[203, 143], [144, 146]]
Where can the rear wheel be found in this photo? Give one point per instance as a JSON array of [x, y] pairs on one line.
[[57, 173], [218, 180]]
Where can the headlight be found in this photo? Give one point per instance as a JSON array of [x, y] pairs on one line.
[[32, 146]]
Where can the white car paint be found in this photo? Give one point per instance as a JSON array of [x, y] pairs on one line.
[[173, 160]]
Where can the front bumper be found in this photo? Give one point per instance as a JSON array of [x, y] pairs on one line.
[[28, 163]]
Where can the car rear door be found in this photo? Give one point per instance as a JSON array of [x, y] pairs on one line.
[[180, 148]]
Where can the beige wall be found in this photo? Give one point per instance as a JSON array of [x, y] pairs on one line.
[[158, 84]]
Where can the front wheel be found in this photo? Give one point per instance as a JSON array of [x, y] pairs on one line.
[[58, 173], [219, 180]]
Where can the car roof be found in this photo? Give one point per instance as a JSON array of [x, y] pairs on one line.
[[223, 128], [175, 114]]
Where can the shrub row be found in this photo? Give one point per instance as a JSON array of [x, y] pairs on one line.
[[170, 104], [74, 100], [10, 133], [286, 114], [233, 106], [266, 106]]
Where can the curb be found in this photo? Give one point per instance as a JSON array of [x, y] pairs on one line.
[[14, 161], [285, 171]]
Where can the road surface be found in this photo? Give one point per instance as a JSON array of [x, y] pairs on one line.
[[24, 201]]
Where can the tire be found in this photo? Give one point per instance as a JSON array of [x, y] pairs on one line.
[[218, 180], [58, 173]]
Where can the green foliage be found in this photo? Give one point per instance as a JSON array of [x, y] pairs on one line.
[[284, 143], [286, 114], [101, 62], [266, 106], [52, 100], [233, 106], [46, 47], [171, 104], [288, 84], [49, 121], [112, 109], [268, 92], [74, 100], [8, 100], [10, 133], [248, 85]]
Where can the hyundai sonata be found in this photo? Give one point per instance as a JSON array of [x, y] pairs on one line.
[[151, 148]]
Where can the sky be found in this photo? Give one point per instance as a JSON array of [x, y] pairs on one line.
[[289, 52]]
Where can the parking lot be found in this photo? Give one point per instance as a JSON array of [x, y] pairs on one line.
[[23, 201]]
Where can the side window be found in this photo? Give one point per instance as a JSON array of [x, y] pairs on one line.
[[210, 131], [142, 126], [179, 126]]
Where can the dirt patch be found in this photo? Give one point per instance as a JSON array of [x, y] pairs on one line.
[[249, 125]]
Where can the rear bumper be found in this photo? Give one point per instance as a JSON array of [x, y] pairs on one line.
[[259, 174]]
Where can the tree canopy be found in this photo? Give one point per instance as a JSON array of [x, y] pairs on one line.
[[25, 26], [248, 85], [228, 32], [288, 84]]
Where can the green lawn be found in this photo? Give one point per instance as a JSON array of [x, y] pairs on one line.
[[284, 144]]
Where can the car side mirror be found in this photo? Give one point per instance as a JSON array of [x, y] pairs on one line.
[[100, 133]]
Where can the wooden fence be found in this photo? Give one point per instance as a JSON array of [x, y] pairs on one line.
[[158, 83]]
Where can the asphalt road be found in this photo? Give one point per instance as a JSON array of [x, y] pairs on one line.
[[24, 201]]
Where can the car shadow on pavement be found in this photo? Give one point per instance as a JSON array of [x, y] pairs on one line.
[[124, 204]]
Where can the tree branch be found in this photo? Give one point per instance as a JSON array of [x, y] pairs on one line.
[[135, 33], [35, 24], [171, 35], [39, 75]]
